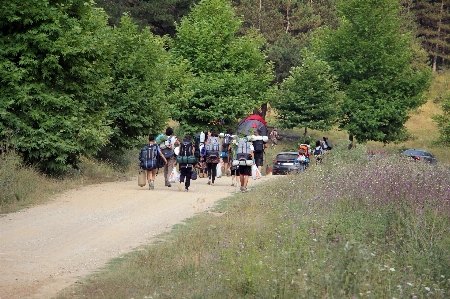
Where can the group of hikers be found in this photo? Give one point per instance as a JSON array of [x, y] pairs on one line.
[[305, 151], [203, 152]]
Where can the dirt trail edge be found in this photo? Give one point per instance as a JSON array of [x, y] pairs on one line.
[[46, 248]]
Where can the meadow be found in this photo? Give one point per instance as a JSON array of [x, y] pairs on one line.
[[352, 227], [355, 226]]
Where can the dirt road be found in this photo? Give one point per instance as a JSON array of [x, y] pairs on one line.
[[49, 247]]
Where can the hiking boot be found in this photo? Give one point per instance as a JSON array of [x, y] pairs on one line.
[[149, 186], [180, 186], [242, 189], [212, 184], [152, 185], [186, 190], [232, 183], [169, 185], [209, 182]]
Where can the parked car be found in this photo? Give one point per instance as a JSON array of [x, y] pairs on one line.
[[284, 163], [420, 155]]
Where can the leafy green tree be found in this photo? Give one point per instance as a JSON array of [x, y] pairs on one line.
[[309, 97], [55, 75], [231, 74], [371, 58], [142, 71], [443, 121]]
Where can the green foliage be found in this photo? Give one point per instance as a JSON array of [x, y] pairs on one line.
[[286, 25], [54, 79], [309, 97], [139, 101], [443, 121], [159, 15], [371, 59], [231, 75], [433, 24]]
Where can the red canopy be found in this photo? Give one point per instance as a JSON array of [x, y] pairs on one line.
[[256, 117]]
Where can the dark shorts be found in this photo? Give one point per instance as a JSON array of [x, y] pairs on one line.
[[235, 171], [245, 170], [259, 158]]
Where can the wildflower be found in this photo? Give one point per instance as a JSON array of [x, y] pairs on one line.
[[392, 269], [410, 284], [427, 288]]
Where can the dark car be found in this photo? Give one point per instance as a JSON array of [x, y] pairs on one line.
[[420, 155], [284, 163]]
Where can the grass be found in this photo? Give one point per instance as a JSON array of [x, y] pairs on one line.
[[351, 227], [23, 186]]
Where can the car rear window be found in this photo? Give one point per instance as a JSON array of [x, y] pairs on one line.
[[414, 153], [285, 157]]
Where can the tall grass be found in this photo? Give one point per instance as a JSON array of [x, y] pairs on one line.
[[22, 186], [352, 227]]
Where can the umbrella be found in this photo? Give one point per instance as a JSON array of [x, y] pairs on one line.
[[249, 125]]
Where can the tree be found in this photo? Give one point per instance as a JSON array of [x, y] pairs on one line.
[[55, 75], [433, 19], [231, 74], [139, 101], [371, 59], [309, 97], [443, 121], [159, 15]]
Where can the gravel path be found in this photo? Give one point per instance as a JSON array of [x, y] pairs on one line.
[[49, 247]]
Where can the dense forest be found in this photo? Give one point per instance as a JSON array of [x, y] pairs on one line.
[[81, 79]]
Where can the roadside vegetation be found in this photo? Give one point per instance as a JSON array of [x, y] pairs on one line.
[[352, 227]]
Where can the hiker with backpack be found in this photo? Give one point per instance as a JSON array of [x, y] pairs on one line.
[[225, 153], [318, 152], [244, 160], [167, 148], [186, 160], [147, 157], [212, 146], [326, 144], [304, 150], [258, 149]]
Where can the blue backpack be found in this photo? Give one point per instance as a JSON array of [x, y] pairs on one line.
[[148, 156]]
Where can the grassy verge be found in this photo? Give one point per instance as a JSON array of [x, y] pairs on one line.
[[352, 227], [22, 186]]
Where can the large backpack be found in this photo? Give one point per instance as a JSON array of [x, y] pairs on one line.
[[147, 156], [226, 141], [258, 146], [166, 148], [212, 147], [305, 149], [185, 156], [197, 145], [243, 149]]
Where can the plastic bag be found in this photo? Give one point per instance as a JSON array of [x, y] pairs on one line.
[[174, 176], [219, 171], [256, 174]]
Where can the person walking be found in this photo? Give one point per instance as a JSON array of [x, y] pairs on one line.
[[148, 157], [318, 152], [258, 150], [226, 150], [186, 149], [244, 154], [274, 137], [212, 156], [168, 152]]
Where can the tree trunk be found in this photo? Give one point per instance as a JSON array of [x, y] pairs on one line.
[[264, 110], [304, 134], [352, 140]]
